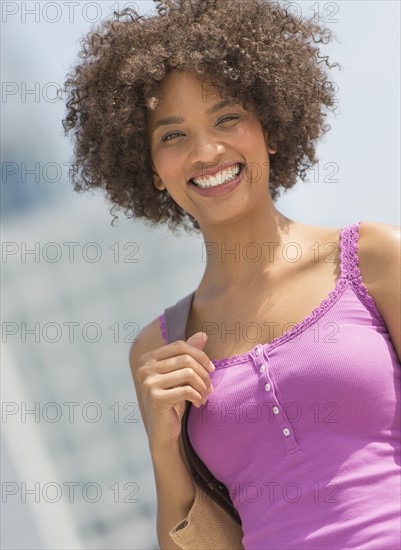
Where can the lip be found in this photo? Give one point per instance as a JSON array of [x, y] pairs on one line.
[[222, 189], [213, 171]]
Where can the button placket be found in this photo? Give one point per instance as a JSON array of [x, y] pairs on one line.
[[283, 424], [280, 418], [261, 362]]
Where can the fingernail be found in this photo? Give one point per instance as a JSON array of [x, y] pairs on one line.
[[212, 366]]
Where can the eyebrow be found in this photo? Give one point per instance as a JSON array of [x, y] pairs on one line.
[[181, 120]]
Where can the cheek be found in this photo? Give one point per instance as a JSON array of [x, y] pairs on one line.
[[167, 165], [253, 145], [251, 138], [170, 171]]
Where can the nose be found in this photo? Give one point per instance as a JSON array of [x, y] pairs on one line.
[[205, 148]]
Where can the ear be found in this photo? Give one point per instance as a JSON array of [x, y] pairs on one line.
[[157, 182], [270, 144]]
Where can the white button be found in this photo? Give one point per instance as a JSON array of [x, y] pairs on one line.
[[267, 387], [262, 368], [276, 410], [286, 431], [257, 352]]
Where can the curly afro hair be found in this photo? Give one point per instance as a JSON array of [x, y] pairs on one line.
[[255, 50]]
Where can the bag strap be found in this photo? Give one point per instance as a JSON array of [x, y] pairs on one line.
[[176, 321], [202, 476], [176, 318]]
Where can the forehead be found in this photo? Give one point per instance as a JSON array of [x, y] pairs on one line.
[[180, 89], [174, 78], [182, 80]]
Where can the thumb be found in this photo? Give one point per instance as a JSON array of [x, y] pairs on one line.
[[198, 339]]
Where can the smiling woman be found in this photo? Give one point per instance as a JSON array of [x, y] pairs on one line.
[[253, 52], [198, 118], [210, 149]]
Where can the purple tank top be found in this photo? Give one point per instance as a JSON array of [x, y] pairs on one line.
[[305, 431]]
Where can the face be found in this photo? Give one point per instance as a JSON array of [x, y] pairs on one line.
[[208, 152]]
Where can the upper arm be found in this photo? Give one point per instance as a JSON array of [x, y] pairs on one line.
[[380, 265], [148, 339]]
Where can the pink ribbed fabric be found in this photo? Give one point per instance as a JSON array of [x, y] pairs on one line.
[[305, 431]]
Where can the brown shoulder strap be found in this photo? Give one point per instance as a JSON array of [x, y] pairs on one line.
[[202, 475], [176, 321], [176, 318]]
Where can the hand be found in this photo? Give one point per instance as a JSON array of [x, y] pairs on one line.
[[167, 377]]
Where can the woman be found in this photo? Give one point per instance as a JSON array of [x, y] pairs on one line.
[[198, 118]]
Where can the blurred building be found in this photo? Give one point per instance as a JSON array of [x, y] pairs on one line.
[[68, 322]]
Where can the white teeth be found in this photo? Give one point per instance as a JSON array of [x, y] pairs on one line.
[[218, 179]]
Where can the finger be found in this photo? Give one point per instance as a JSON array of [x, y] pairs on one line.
[[182, 377], [178, 394], [182, 363], [181, 348]]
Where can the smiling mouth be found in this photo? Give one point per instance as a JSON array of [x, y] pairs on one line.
[[222, 177]]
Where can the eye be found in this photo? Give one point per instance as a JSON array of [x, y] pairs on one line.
[[224, 119], [229, 117], [164, 138]]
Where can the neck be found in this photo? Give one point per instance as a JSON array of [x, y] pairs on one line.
[[241, 252]]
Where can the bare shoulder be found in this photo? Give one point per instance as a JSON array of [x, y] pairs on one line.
[[381, 231], [379, 253], [148, 339]]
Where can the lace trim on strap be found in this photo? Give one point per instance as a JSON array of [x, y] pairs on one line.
[[324, 306], [163, 327], [349, 273], [351, 265]]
